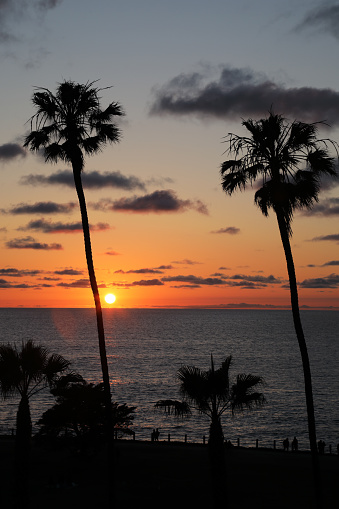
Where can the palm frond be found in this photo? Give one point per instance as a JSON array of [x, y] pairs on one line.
[[244, 393], [174, 407]]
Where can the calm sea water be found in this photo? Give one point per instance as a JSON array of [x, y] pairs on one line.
[[146, 348]]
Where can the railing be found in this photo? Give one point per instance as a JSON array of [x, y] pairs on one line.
[[294, 448]]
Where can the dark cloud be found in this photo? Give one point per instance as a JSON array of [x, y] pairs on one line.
[[90, 180], [68, 272], [231, 230], [332, 238], [112, 253], [139, 271], [46, 207], [238, 93], [31, 243], [331, 281], [327, 208], [332, 262], [256, 279], [49, 227], [237, 280], [147, 282], [7, 284], [80, 283], [12, 272], [209, 281], [158, 201], [324, 18], [9, 151]]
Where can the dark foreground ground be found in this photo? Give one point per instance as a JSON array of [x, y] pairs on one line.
[[161, 475]]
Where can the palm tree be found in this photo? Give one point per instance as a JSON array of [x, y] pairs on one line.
[[211, 394], [68, 126], [26, 371], [291, 161]]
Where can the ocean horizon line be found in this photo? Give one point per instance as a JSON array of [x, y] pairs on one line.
[[240, 306]]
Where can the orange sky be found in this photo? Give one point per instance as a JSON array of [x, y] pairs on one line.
[[163, 232]]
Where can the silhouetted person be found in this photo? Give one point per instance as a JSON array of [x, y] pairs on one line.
[[294, 444], [286, 444], [321, 447], [156, 434]]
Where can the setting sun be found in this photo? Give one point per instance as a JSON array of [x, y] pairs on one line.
[[110, 298]]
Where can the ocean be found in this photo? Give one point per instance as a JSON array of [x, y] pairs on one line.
[[146, 347]]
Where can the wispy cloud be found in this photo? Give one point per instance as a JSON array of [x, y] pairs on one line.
[[139, 271], [46, 207], [90, 180], [186, 261], [241, 92], [31, 243], [331, 238], [231, 230], [48, 227], [13, 11], [209, 281], [68, 272], [331, 281], [148, 282], [156, 202], [13, 272], [324, 18], [7, 284], [236, 280], [327, 208]]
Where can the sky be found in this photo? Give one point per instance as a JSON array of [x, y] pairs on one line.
[[163, 232]]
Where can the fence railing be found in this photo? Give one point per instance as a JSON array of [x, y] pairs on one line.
[[294, 448]]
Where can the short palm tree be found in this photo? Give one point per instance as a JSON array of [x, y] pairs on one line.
[[67, 126], [26, 371], [211, 393], [291, 161]]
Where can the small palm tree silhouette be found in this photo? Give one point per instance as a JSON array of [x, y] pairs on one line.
[[26, 371], [212, 394]]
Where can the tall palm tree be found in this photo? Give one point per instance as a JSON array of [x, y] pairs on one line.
[[67, 126], [26, 371], [211, 393], [291, 161]]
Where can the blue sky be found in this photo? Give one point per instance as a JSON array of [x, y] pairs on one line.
[[186, 72]]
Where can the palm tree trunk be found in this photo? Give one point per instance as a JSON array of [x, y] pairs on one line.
[[22, 453], [100, 326], [304, 357], [217, 463]]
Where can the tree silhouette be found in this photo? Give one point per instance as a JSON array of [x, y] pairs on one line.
[[211, 393], [79, 412], [275, 150], [26, 371], [67, 126]]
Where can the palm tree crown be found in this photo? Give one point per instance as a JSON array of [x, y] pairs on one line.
[[275, 151], [70, 123], [210, 391], [28, 370]]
